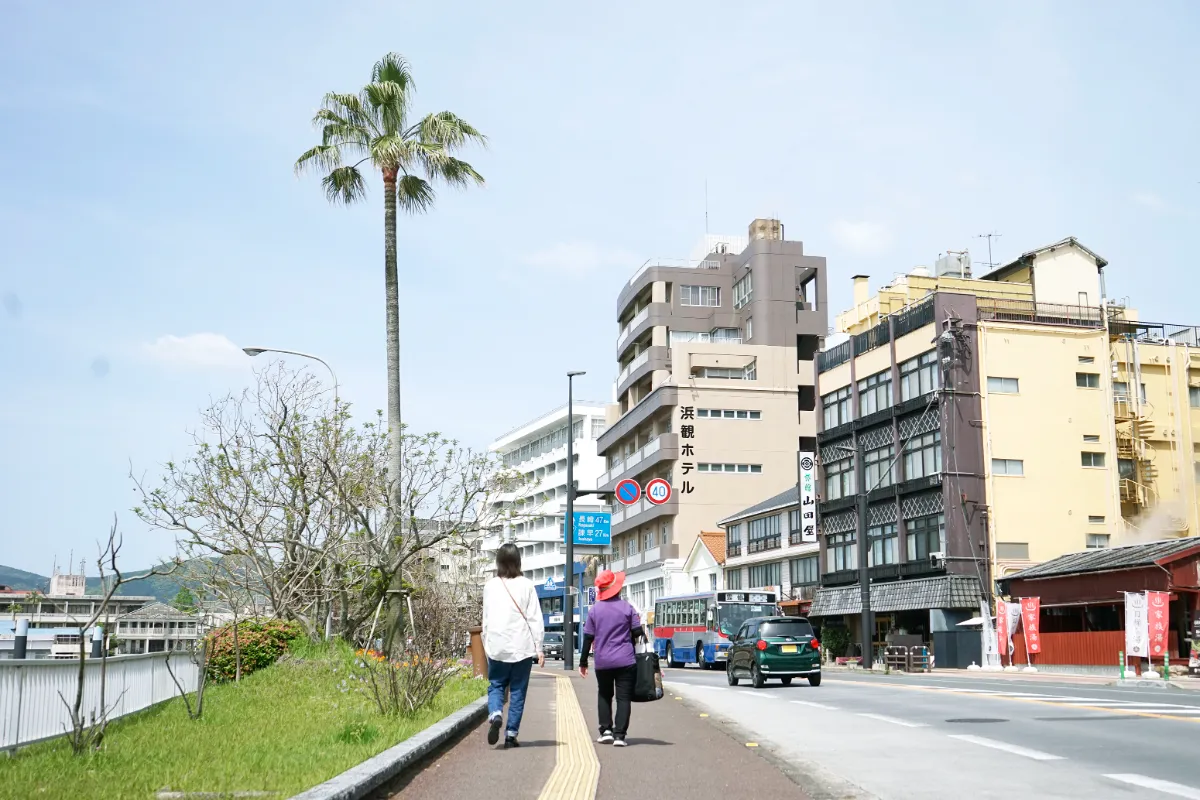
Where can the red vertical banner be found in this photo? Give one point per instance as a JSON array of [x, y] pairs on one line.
[[1031, 622], [1002, 630], [1159, 618]]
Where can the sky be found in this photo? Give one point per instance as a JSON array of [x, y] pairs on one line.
[[151, 224]]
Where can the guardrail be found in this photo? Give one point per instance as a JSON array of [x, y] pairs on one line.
[[31, 709]]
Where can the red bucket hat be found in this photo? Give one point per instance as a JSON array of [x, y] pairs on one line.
[[609, 583]]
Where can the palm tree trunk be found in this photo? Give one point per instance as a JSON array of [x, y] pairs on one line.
[[392, 289]]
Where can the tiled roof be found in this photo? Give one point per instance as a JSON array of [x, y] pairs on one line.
[[946, 591], [782, 500], [1127, 557], [715, 542], [157, 611]]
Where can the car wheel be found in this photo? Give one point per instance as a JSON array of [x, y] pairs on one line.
[[756, 677], [814, 680], [729, 676], [786, 681]]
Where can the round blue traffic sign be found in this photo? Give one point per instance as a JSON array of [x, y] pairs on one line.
[[628, 492]]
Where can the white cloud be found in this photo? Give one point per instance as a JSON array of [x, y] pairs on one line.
[[582, 258], [1150, 200], [862, 238], [203, 350]]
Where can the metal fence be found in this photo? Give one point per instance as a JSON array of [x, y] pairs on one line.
[[32, 710], [1001, 310]]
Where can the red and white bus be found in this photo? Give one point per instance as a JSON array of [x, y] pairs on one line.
[[696, 628]]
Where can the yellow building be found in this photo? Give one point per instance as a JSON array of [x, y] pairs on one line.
[[1062, 422]]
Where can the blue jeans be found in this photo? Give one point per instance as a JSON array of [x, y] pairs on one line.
[[514, 677]]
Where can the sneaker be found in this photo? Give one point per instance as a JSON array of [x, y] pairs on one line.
[[620, 742], [511, 741], [605, 738], [494, 729]]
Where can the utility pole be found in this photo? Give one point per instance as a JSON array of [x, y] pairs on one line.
[[864, 572], [569, 532]]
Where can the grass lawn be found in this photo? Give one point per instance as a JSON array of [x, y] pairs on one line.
[[282, 729]]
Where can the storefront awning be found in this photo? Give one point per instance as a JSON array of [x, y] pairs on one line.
[[945, 591]]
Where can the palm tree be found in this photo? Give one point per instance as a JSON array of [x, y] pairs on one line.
[[375, 126]]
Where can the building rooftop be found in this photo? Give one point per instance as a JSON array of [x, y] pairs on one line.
[[157, 611], [1000, 273], [555, 418], [715, 542], [788, 497], [1130, 556]]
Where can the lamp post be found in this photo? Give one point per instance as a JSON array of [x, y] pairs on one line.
[[569, 531], [258, 351]]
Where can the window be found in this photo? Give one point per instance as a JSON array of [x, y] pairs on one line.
[[733, 541], [743, 291], [879, 467], [726, 413], [598, 427], [1097, 541], [746, 373], [750, 371], [764, 535], [1015, 551], [679, 337], [919, 376], [1087, 360], [1121, 389], [925, 535], [766, 575], [803, 571], [712, 581], [836, 407], [795, 527], [749, 469], [1087, 380], [1003, 385], [1095, 520], [923, 456], [875, 393], [726, 335], [656, 589], [631, 546], [1090, 459], [1008, 466], [839, 479], [749, 328], [1091, 437], [733, 579], [648, 540], [699, 296], [794, 629], [883, 540], [1194, 396], [841, 553]]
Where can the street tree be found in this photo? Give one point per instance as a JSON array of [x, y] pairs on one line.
[[375, 127]]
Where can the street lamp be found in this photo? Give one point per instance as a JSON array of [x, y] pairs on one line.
[[569, 531]]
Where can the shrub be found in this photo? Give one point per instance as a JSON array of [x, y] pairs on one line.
[[261, 643], [403, 686]]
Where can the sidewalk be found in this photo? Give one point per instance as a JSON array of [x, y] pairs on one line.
[[670, 744]]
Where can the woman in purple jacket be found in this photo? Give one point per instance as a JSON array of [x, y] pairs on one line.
[[614, 627]]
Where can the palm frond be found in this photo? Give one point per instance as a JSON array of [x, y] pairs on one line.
[[393, 150], [389, 101], [344, 185], [323, 157], [393, 68], [438, 164], [349, 107], [414, 194], [337, 130], [449, 129]]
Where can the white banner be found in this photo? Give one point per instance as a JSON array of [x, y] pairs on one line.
[[808, 497], [1137, 629], [1014, 619], [991, 647]]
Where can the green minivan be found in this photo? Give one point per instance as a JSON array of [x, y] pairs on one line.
[[765, 648]]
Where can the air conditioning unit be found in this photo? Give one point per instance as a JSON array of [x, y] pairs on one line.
[[937, 560]]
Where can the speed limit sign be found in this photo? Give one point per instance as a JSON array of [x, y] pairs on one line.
[[658, 491]]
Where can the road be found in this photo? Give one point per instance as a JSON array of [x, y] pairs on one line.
[[929, 737]]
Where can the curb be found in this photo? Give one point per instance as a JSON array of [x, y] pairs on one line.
[[359, 781]]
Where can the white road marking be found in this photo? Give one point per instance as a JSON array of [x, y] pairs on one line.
[[893, 720], [1036, 755], [815, 705], [1166, 787], [1182, 712]]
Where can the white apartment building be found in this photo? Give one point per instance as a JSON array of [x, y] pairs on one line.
[[538, 450], [715, 394]]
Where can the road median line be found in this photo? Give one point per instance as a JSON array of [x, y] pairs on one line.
[[576, 769]]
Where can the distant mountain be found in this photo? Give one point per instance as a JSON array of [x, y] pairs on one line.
[[160, 587]]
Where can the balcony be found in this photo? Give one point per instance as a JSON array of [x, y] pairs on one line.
[[663, 447], [631, 366], [733, 550], [662, 397], [653, 358], [629, 517], [638, 319]]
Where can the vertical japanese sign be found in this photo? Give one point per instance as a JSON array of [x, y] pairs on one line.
[[1002, 632], [1158, 618], [1031, 623], [991, 650], [808, 497], [1136, 625], [687, 450]]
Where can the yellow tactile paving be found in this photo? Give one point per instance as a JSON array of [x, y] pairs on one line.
[[576, 769]]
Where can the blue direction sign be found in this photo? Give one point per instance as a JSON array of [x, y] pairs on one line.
[[628, 491], [593, 527]]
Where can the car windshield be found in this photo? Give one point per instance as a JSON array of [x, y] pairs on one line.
[[786, 629], [732, 615], [553, 638]]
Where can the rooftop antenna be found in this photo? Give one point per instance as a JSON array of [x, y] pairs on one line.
[[989, 236], [706, 206]]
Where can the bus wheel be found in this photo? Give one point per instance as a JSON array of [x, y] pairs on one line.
[[671, 657], [700, 658]]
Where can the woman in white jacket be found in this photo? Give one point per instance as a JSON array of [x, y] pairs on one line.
[[512, 639]]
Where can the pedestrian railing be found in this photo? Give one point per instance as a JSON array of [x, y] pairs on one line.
[[32, 691], [896, 657], [908, 659]]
